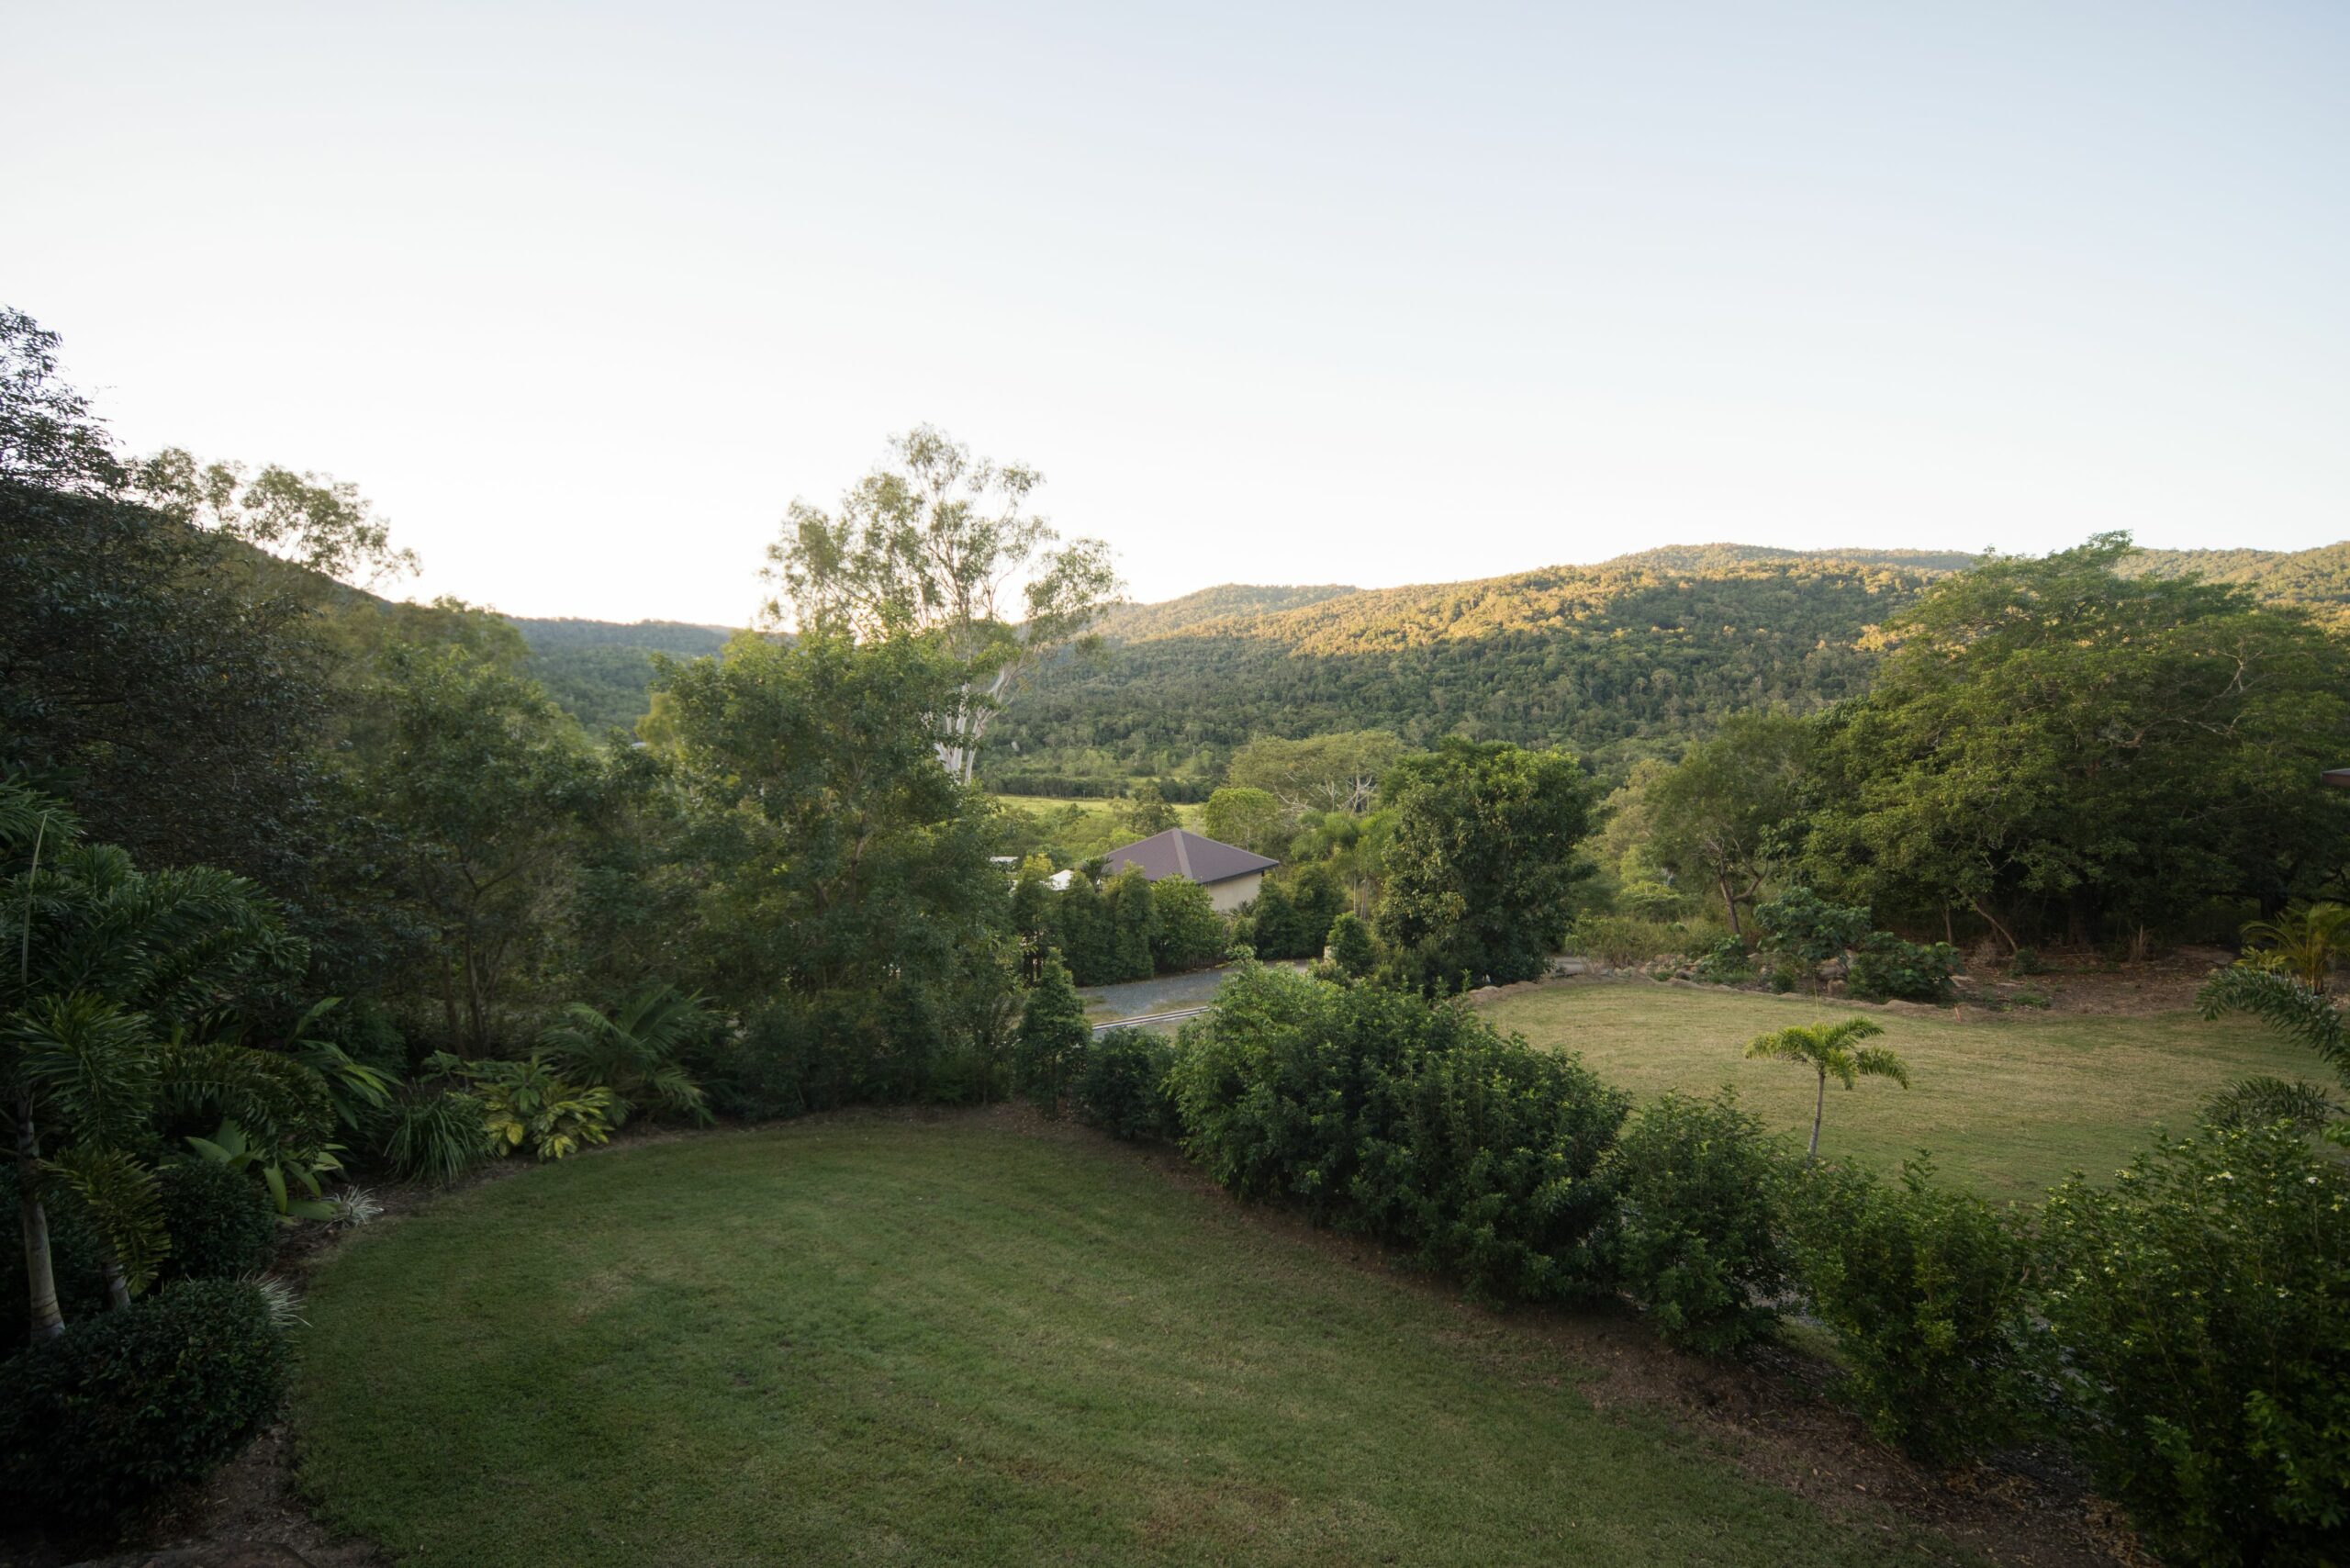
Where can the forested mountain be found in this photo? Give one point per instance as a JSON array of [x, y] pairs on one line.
[[1627, 658], [600, 670]]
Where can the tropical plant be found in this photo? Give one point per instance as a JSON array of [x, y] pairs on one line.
[[437, 1133], [2302, 1014], [116, 974], [1828, 1049], [526, 1104], [1806, 931], [1885, 968], [634, 1052], [228, 1146], [2305, 941]]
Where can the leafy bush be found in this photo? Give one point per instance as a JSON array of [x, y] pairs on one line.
[[2027, 961], [1697, 1179], [1621, 940], [1389, 1116], [1925, 1291], [1806, 931], [1884, 967], [220, 1223], [1050, 1049], [1186, 932], [126, 1404], [1123, 1087], [1727, 962], [633, 1051], [2204, 1300], [1351, 948], [525, 1104]]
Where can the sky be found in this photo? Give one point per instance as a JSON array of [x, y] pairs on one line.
[[582, 295]]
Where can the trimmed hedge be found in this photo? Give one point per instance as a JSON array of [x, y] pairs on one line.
[[1928, 1291], [1122, 1089], [1700, 1244], [1388, 1115], [126, 1403], [221, 1224]]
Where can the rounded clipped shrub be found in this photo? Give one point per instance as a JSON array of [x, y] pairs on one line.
[[220, 1221], [1698, 1246], [128, 1402], [1122, 1089]]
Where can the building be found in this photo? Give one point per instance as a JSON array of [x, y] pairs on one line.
[[2337, 776], [1231, 875]]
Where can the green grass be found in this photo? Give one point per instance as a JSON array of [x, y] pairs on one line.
[[2009, 1104], [875, 1341]]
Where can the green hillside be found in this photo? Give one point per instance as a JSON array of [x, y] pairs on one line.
[[600, 670], [1616, 660]]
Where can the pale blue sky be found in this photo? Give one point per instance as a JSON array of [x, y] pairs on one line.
[[583, 294]]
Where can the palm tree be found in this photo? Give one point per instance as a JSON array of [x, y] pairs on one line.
[[2305, 940], [634, 1052], [112, 970], [2299, 1013], [1828, 1049]]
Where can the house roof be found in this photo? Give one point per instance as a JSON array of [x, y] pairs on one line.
[[2337, 776], [1178, 852]]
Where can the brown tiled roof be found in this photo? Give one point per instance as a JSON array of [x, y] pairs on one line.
[[2338, 776], [1181, 853]]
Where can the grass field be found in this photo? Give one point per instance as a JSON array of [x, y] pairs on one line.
[[873, 1341], [2007, 1103]]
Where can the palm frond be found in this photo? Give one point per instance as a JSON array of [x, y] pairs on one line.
[[282, 1105], [1876, 1061], [90, 1062], [2264, 1102], [2294, 1010], [125, 1203]]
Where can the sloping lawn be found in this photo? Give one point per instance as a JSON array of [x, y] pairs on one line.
[[879, 1341], [2008, 1103]]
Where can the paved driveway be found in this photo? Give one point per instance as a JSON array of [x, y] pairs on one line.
[[1133, 999]]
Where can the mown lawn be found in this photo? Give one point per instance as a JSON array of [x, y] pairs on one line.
[[2008, 1103], [877, 1341]]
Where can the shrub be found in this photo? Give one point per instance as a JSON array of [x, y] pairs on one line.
[[221, 1224], [2027, 961], [1925, 1289], [1050, 1049], [526, 1104], [2204, 1300], [1186, 932], [1697, 1179], [126, 1404], [1123, 1087], [1387, 1114], [435, 1134], [1727, 962], [1620, 940], [1806, 931], [1884, 967], [1351, 948]]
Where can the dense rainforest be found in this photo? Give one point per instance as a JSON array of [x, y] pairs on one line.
[[1627, 659]]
